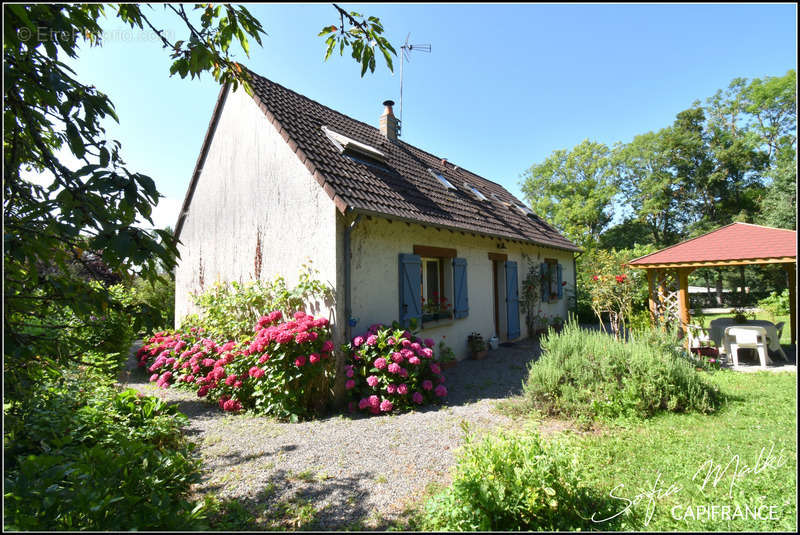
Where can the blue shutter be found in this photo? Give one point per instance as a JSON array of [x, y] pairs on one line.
[[410, 289], [545, 278], [560, 286], [512, 300], [460, 300]]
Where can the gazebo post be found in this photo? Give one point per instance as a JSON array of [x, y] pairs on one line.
[[651, 288], [790, 272], [683, 298]]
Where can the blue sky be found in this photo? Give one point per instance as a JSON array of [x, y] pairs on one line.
[[503, 87]]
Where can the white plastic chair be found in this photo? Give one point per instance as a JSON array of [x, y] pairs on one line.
[[738, 337], [698, 335]]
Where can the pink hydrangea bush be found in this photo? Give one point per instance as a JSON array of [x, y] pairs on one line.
[[284, 369], [389, 370]]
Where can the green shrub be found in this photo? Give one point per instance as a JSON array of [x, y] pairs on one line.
[[229, 311], [589, 375], [82, 456], [511, 482], [160, 296], [776, 304], [283, 368]]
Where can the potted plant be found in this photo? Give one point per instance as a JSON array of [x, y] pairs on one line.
[[435, 309], [557, 323], [447, 358], [477, 346]]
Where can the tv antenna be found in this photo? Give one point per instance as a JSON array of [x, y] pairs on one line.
[[406, 52]]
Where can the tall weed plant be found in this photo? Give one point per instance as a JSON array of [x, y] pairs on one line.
[[589, 375]]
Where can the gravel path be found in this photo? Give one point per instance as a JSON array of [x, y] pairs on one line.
[[353, 471]]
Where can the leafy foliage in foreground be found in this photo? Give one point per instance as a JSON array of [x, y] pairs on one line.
[[512, 482], [80, 455], [589, 375]]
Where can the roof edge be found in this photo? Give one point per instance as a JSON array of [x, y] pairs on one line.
[[463, 230], [638, 261], [201, 158], [340, 203]]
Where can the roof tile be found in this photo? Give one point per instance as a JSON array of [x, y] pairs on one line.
[[402, 187], [737, 241]]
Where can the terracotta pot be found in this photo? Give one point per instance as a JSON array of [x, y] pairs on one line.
[[478, 355]]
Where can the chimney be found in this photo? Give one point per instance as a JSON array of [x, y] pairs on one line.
[[389, 123]]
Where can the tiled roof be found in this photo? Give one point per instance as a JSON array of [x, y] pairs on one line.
[[401, 187], [737, 241]]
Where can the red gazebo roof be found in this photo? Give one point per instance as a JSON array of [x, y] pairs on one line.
[[732, 244]]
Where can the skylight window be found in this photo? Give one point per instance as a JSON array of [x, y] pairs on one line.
[[446, 183], [501, 201], [344, 143], [474, 190], [524, 209]]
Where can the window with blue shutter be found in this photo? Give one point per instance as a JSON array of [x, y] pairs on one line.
[[560, 283], [545, 280], [460, 300], [410, 289]]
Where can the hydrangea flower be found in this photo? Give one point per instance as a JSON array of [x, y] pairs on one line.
[[386, 405], [440, 391], [372, 380], [350, 384]]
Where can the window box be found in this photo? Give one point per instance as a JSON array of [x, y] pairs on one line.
[[429, 323]]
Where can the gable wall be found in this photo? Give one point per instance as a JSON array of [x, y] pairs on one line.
[[375, 272], [254, 198]]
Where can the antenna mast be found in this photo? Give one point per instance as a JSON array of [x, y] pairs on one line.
[[406, 49]]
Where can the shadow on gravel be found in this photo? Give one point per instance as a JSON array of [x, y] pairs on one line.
[[288, 501], [497, 376]]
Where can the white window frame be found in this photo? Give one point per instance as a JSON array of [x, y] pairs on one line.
[[446, 183], [343, 143], [444, 272]]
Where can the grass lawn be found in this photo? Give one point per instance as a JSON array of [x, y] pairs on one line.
[[650, 466], [785, 335]]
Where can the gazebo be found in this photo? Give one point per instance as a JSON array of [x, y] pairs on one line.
[[736, 244]]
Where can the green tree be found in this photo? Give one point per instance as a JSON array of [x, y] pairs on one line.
[[573, 190], [95, 204], [649, 186]]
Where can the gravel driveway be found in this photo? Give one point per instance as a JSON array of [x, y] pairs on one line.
[[346, 471]]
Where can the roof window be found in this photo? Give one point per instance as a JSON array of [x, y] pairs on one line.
[[446, 183], [501, 201], [344, 143], [524, 209], [474, 190]]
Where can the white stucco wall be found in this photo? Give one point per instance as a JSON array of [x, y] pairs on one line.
[[254, 193], [375, 248]]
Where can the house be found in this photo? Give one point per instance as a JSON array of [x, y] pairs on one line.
[[398, 232]]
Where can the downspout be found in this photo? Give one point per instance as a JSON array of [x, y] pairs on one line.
[[348, 306]]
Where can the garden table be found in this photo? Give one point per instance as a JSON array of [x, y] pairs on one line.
[[716, 332]]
